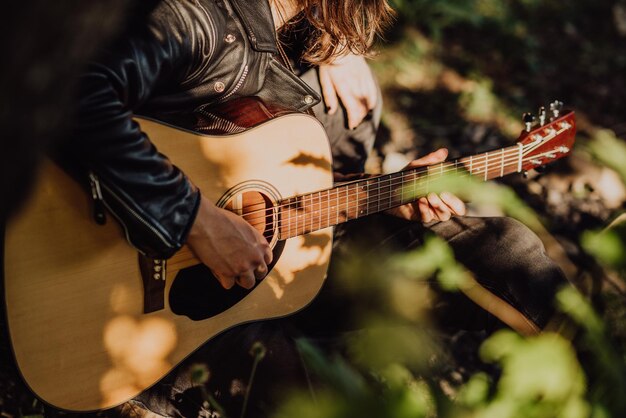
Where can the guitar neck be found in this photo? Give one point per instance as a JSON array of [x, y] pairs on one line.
[[318, 210]]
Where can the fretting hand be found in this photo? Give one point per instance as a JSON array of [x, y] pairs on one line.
[[433, 207]]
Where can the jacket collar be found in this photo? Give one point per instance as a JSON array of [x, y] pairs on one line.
[[256, 17]]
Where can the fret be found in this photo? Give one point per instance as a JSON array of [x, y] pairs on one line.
[[390, 187], [341, 214], [377, 196], [348, 202], [389, 199], [358, 202], [310, 212], [486, 164], [289, 219], [335, 208], [283, 219], [296, 212], [324, 207], [319, 210], [303, 213], [367, 198], [402, 186], [297, 202], [306, 211], [321, 205], [413, 173], [313, 213], [520, 147], [316, 214], [338, 205], [502, 162]]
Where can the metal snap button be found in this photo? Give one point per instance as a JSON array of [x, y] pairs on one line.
[[219, 87], [230, 38], [308, 99]]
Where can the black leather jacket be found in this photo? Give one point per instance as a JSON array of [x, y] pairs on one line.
[[189, 54]]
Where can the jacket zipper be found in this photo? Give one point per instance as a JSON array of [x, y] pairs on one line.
[[99, 204], [99, 215], [238, 85]]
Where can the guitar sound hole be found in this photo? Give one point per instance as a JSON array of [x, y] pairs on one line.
[[195, 292], [257, 209]]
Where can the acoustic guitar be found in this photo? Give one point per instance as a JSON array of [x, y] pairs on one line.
[[93, 322]]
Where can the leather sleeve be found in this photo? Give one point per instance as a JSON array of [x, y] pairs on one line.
[[150, 196]]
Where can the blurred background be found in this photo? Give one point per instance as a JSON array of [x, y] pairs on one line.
[[454, 73]]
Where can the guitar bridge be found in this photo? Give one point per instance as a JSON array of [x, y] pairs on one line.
[[153, 273]]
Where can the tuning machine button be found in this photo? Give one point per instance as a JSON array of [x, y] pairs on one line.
[[528, 119], [556, 107], [542, 116]]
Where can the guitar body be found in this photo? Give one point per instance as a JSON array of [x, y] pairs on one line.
[[75, 292]]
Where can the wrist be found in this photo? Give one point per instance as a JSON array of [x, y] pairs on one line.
[[205, 213]]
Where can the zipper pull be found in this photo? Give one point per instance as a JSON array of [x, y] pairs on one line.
[[99, 214]]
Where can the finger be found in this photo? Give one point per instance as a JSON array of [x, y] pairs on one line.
[[246, 280], [226, 282], [433, 158], [370, 90], [441, 210], [426, 212], [453, 202], [371, 99], [355, 108], [407, 212], [268, 255], [329, 93], [354, 101], [260, 272]]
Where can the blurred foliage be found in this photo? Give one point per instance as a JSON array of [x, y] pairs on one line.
[[541, 377], [387, 367]]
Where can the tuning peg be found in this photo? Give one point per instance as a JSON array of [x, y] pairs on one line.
[[528, 119], [555, 108], [542, 116]]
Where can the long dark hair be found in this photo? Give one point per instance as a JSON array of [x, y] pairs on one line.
[[343, 25]]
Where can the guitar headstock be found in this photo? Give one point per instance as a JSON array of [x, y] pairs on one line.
[[547, 140]]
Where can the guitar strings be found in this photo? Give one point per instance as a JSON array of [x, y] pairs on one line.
[[382, 193]]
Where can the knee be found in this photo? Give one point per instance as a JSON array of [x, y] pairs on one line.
[[516, 236]]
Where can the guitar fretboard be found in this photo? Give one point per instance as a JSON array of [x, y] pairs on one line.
[[318, 210]]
